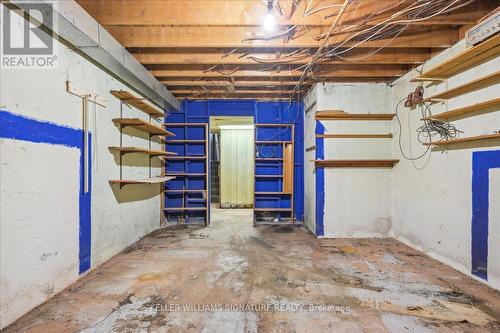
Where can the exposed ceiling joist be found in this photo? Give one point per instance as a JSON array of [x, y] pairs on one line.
[[335, 71], [239, 37], [221, 49], [174, 57], [250, 13]]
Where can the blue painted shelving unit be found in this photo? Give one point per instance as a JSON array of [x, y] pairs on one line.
[[187, 196], [281, 115], [274, 182]]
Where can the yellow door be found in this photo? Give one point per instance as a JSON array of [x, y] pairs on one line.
[[236, 166]]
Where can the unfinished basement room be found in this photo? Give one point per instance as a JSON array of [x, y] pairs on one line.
[[287, 166]]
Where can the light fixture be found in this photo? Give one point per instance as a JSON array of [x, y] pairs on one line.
[[269, 23]]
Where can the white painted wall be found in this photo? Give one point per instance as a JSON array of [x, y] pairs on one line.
[[494, 231], [427, 204], [38, 223], [309, 156], [346, 190], [432, 207], [39, 215]]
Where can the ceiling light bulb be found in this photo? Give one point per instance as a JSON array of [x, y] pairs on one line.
[[269, 23]]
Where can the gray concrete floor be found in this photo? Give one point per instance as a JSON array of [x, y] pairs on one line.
[[272, 279]]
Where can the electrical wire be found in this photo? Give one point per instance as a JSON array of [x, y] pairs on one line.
[[427, 132]]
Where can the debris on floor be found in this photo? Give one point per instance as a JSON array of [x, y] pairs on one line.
[[232, 277]]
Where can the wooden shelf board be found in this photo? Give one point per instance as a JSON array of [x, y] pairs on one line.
[[142, 125], [354, 136], [340, 115], [138, 102], [151, 152], [154, 180], [466, 109], [272, 209], [184, 208], [466, 139], [464, 60], [431, 79], [467, 87], [386, 163]]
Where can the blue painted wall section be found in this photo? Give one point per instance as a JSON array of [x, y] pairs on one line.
[[482, 162], [193, 111], [320, 181], [18, 127]]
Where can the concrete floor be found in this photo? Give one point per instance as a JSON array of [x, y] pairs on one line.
[[370, 285]]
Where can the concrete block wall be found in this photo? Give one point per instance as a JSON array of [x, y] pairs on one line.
[[40, 196], [349, 190], [433, 197], [428, 204], [310, 107]]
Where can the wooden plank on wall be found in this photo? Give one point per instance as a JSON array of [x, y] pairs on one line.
[[288, 169]]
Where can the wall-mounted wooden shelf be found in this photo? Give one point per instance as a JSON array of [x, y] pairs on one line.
[[142, 125], [341, 115], [154, 180], [466, 87], [150, 152], [138, 102], [354, 136], [464, 111], [464, 140], [462, 61], [389, 163]]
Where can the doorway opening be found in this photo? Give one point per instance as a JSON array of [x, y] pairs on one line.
[[232, 161]]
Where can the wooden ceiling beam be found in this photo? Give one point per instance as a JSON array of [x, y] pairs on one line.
[[238, 96], [335, 71], [251, 13], [385, 56], [234, 37], [224, 83], [258, 81], [260, 98], [200, 91]]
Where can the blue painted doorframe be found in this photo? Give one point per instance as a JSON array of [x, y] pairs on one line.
[[263, 112]]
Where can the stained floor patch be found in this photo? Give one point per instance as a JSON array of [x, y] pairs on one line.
[[232, 277]]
